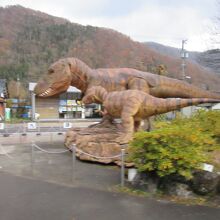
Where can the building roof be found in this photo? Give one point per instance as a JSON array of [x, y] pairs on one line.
[[71, 89], [3, 88]]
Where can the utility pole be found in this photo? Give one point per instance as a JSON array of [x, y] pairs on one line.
[[184, 55], [18, 87]]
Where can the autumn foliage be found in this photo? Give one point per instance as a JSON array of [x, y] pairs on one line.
[[31, 40]]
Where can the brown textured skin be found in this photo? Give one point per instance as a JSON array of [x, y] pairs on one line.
[[72, 71], [133, 105]]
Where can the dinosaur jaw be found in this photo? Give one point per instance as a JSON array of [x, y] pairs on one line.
[[52, 91], [44, 89]]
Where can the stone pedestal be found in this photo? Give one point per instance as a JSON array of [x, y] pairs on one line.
[[99, 142]]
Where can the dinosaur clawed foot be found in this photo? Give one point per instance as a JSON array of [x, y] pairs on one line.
[[124, 137]]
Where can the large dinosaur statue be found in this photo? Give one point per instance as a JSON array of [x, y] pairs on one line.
[[133, 105], [73, 72]]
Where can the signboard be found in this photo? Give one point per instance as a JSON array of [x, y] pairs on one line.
[[2, 126], [67, 125], [14, 101], [132, 172], [62, 102], [74, 108], [71, 102], [208, 167], [32, 125], [62, 109], [79, 108]]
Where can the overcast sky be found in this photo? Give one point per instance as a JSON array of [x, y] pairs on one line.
[[162, 21]]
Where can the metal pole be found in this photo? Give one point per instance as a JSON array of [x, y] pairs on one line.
[[5, 128], [60, 127], [122, 167], [24, 127], [32, 158], [51, 137], [73, 162], [38, 127], [33, 106]]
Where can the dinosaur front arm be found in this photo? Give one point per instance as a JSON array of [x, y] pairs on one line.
[[102, 112], [88, 99]]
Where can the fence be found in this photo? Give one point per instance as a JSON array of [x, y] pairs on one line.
[[74, 149], [43, 126]]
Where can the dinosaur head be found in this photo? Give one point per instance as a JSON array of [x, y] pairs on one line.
[[56, 80], [94, 94]]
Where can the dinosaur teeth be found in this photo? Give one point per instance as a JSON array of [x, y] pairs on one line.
[[43, 94], [47, 92]]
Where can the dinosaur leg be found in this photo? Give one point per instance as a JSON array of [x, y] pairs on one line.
[[138, 84], [128, 113], [148, 124], [106, 121], [141, 84], [127, 124], [137, 125]]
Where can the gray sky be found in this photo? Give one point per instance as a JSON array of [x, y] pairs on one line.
[[162, 21]]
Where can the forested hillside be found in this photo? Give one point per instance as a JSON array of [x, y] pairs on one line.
[[31, 40]]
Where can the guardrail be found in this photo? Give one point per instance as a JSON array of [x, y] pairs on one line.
[[44, 126]]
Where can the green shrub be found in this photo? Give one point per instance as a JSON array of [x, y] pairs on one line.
[[208, 122], [205, 121], [179, 147]]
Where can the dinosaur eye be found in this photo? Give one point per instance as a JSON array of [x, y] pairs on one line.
[[50, 71]]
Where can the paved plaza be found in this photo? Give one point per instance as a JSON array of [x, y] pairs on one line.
[[51, 188]]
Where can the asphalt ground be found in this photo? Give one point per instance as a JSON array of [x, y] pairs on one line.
[[50, 189], [28, 199]]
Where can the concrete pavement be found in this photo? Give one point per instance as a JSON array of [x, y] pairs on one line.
[[46, 191]]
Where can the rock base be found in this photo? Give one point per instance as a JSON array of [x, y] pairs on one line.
[[101, 143]]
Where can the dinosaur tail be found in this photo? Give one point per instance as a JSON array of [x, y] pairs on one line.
[[178, 103], [177, 88]]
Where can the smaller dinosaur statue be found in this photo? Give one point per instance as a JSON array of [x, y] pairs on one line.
[[133, 105]]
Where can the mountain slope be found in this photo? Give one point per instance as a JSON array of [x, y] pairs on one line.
[[209, 59], [31, 40]]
